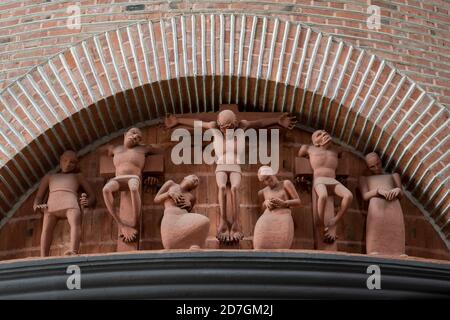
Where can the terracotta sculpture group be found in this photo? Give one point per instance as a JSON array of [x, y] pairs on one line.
[[228, 168], [182, 229]]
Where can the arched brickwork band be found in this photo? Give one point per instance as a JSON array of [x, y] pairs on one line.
[[413, 35], [192, 63]]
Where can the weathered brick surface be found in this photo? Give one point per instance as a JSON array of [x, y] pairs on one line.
[[34, 31]]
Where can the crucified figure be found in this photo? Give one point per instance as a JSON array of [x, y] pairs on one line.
[[324, 162], [228, 167], [129, 161]]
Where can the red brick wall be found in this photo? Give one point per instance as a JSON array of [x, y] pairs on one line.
[[413, 34]]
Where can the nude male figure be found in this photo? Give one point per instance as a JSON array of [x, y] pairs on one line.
[[226, 170], [324, 162], [62, 202], [129, 161]]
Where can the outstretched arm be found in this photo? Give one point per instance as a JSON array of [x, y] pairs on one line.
[[303, 152], [107, 149], [157, 148], [43, 187], [172, 121], [285, 121]]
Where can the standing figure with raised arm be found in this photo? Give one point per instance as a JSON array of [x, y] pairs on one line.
[[385, 228], [129, 161], [228, 167], [181, 229], [275, 228], [324, 162], [63, 203]]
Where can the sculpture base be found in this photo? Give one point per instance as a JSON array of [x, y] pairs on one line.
[[226, 274]]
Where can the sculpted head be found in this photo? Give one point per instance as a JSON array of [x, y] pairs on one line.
[[132, 138], [190, 182], [373, 161], [68, 161], [321, 138], [226, 119], [267, 176]]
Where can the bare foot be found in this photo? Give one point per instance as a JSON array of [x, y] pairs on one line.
[[70, 253], [236, 234], [223, 234], [128, 233], [194, 247]]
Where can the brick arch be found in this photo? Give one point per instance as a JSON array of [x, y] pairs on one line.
[[192, 63]]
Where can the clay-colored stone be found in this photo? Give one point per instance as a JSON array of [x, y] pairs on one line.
[[323, 159], [129, 161], [228, 167], [181, 229], [275, 228], [62, 202], [20, 234], [385, 228]]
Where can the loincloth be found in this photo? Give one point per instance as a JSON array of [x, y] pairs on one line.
[[326, 181], [62, 199], [123, 180], [228, 168]]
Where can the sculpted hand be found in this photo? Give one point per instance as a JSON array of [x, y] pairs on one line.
[[170, 121], [185, 204], [277, 203], [41, 207], [176, 196], [268, 204], [84, 200], [287, 121], [383, 193], [149, 183], [127, 233], [393, 194]]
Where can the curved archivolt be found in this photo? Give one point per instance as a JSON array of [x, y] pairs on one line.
[[194, 63]]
